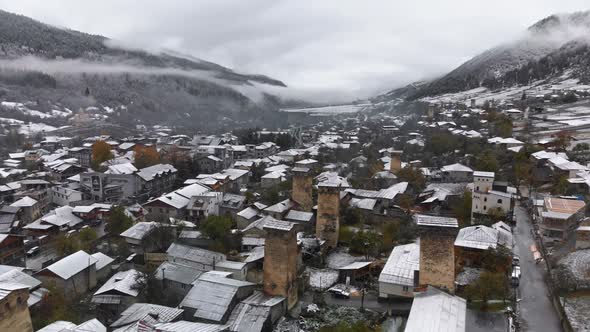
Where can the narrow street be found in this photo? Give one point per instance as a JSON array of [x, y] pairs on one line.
[[535, 309]]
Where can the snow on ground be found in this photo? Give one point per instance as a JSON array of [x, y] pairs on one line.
[[65, 113], [36, 113], [340, 109], [340, 257], [322, 278], [577, 309], [108, 109], [11, 121], [33, 128], [578, 262]]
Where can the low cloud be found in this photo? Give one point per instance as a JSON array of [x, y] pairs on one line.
[[332, 49]]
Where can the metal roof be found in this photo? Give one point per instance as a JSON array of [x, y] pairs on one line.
[[436, 221], [138, 311], [456, 168], [180, 273], [194, 254], [121, 283], [484, 174], [299, 216], [401, 264], [184, 326], [149, 173], [71, 265], [436, 311], [247, 317], [139, 230], [17, 276], [477, 237], [279, 225], [355, 266], [212, 296], [102, 260]]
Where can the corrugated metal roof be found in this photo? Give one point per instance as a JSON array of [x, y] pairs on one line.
[[194, 254], [401, 264], [435, 311], [212, 295], [279, 225], [246, 317], [436, 221], [138, 311], [184, 326]]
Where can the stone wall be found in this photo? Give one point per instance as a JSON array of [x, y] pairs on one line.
[[14, 312], [280, 265], [328, 218], [437, 258], [302, 191]]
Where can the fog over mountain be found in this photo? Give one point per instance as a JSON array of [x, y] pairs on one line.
[[340, 50]]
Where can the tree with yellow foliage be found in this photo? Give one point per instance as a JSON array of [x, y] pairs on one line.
[[146, 156]]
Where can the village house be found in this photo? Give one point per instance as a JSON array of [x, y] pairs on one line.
[[74, 274], [560, 217], [399, 276]]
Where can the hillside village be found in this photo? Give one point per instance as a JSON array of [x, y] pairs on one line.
[[458, 217]]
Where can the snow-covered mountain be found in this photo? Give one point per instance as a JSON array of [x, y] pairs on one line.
[[49, 74], [552, 47]]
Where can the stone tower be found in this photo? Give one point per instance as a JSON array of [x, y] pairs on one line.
[[302, 188], [437, 251], [396, 161], [328, 217], [281, 261]]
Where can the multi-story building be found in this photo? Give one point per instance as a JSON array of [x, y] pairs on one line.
[[490, 199]]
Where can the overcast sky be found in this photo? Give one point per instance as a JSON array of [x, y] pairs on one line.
[[354, 47]]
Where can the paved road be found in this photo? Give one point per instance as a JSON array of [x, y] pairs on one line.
[[536, 311]]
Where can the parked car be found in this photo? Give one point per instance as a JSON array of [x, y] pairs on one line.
[[515, 260], [33, 251], [515, 278], [339, 292]]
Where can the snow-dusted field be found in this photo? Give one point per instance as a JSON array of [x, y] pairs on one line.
[[330, 110]]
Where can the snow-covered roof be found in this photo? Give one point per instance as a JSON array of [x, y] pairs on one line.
[[102, 260], [436, 221], [435, 310], [149, 173], [401, 264], [139, 230], [121, 283], [477, 237], [483, 174], [71, 265], [24, 202], [125, 168], [456, 168]]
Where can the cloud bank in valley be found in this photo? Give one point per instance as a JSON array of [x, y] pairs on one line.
[[334, 48]]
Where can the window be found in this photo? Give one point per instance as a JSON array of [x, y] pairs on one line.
[[485, 199], [477, 188], [406, 288], [484, 207], [499, 201]]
